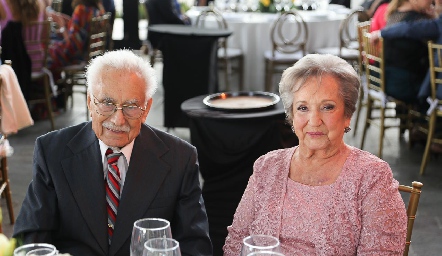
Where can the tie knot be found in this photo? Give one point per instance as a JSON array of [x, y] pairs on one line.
[[112, 157]]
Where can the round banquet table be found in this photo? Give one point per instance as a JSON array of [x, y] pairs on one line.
[[251, 34], [228, 144], [189, 66]]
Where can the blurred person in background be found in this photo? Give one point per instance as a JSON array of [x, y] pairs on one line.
[[71, 48], [163, 12], [430, 29], [406, 60], [14, 16]]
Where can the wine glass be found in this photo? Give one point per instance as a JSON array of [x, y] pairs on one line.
[[40, 249], [265, 253], [145, 229], [259, 243], [162, 247]]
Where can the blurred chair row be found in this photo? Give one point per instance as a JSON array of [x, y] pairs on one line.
[[37, 39], [10, 122], [227, 57], [74, 75]]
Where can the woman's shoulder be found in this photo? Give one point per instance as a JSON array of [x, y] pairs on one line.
[[365, 162], [276, 160], [277, 155]]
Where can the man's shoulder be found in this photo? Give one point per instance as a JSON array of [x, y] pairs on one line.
[[63, 134], [166, 137]]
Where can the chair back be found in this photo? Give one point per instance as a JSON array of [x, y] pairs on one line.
[[434, 99], [415, 193], [36, 36], [56, 5], [289, 33], [435, 58], [348, 34], [374, 64], [213, 19], [98, 34], [211, 15], [365, 25]]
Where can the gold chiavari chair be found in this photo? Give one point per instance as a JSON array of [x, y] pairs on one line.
[[413, 202]]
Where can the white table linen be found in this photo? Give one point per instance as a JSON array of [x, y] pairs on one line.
[[251, 34]]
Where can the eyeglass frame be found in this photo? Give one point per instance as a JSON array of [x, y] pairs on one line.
[[117, 108]]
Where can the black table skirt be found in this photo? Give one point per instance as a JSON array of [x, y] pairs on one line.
[[228, 144], [190, 66]]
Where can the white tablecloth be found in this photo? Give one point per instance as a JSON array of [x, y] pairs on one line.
[[251, 33]]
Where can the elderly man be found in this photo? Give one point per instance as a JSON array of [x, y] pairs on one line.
[[92, 181]]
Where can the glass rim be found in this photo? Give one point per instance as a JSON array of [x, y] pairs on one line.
[[261, 247], [42, 245], [176, 244], [136, 223], [265, 252]]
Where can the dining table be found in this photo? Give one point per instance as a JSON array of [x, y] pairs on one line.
[[189, 66], [251, 34], [228, 143]]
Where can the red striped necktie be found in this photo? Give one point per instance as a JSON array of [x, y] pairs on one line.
[[113, 184]]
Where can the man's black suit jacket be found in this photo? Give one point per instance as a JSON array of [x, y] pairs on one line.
[[65, 204]]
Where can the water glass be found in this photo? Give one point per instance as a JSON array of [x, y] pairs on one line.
[[146, 229], [40, 249], [259, 243], [162, 247], [265, 253]]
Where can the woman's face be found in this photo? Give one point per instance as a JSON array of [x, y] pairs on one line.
[[318, 114]]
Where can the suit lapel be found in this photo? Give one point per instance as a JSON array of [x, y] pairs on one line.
[[85, 177], [143, 179]]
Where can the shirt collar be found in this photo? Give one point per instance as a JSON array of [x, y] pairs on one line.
[[126, 150]]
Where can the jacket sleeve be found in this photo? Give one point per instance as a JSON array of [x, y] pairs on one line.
[[190, 222], [424, 29], [38, 215]]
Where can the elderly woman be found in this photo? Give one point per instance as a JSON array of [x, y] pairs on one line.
[[322, 197]]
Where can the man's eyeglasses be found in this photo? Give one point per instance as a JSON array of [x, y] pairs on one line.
[[131, 111]]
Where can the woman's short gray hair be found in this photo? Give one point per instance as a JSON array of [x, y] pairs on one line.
[[124, 60], [318, 65]]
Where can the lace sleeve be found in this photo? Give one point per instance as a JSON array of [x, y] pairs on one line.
[[383, 215]]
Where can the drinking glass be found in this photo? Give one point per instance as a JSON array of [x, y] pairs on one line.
[[40, 249], [265, 253], [146, 229], [162, 247], [259, 243]]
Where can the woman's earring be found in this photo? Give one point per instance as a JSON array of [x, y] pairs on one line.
[[347, 129]]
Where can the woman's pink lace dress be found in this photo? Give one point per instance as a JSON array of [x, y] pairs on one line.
[[361, 213]]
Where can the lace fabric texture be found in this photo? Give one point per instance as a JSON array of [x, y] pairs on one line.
[[361, 213]]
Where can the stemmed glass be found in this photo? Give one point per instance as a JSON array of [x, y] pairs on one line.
[[146, 229], [162, 247], [259, 243], [40, 249], [265, 253]]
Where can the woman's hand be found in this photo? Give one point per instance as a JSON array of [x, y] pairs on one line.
[[374, 36]]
